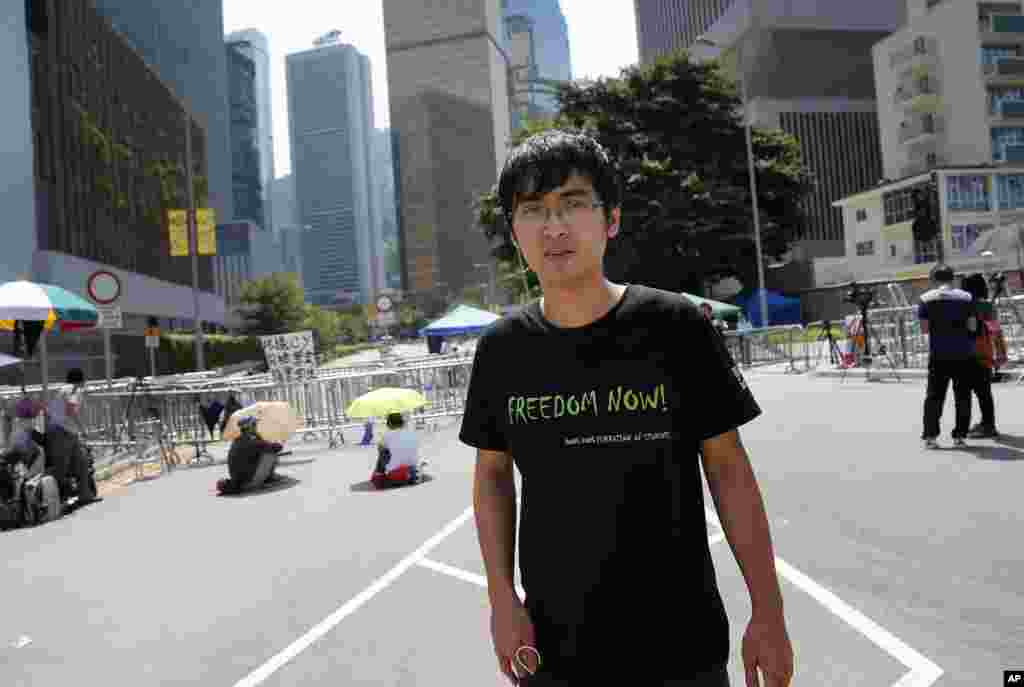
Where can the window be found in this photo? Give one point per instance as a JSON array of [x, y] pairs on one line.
[[931, 159], [892, 251], [926, 251], [964, 235], [865, 248], [990, 56], [862, 215], [968, 193], [1010, 191], [899, 205], [1000, 95], [920, 46], [1004, 136]]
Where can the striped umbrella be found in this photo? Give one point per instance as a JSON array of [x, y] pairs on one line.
[[51, 305]]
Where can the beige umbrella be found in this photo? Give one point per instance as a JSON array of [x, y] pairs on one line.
[[275, 421]]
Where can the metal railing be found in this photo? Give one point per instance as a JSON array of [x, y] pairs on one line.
[[895, 332], [126, 419]]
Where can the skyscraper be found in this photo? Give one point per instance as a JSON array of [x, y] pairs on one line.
[[184, 42], [808, 70], [447, 74], [330, 107], [665, 26], [542, 23], [246, 175], [254, 45]]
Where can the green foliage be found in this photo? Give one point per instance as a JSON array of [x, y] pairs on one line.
[[178, 351], [325, 324], [675, 132], [273, 305]]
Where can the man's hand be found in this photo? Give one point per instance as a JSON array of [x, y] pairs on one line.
[[766, 646], [511, 628]]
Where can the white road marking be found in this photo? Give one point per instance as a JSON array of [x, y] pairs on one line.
[[923, 672], [331, 621], [465, 575]]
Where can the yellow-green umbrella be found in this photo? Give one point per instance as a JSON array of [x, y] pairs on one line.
[[381, 402]]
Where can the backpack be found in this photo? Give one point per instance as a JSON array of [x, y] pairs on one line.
[[991, 345], [41, 501]]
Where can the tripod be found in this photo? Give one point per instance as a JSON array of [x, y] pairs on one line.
[[882, 351], [835, 356]]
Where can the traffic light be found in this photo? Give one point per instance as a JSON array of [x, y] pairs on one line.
[[926, 212]]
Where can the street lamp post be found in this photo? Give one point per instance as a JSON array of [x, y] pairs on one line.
[[753, 180]]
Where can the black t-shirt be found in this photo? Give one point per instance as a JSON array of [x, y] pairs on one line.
[[604, 423]]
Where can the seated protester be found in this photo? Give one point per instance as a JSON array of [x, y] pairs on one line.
[[398, 459], [251, 461], [64, 451]]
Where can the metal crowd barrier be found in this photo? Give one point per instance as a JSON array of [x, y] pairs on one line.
[[132, 417], [768, 346]]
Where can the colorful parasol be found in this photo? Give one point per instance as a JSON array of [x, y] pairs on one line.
[[275, 421], [51, 305], [385, 401]]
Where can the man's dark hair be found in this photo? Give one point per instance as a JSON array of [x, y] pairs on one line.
[[545, 161], [395, 420], [942, 274], [75, 376], [976, 286]]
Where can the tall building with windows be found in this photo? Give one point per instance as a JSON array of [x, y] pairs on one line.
[[330, 107], [246, 175], [94, 153], [951, 87], [255, 46], [184, 43], [537, 38], [665, 26], [951, 113], [808, 70], [447, 75]]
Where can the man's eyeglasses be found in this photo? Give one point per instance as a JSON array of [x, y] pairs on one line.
[[533, 214]]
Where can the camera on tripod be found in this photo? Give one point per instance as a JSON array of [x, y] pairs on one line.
[[861, 296]]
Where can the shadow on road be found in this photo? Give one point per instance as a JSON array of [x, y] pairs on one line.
[[288, 463], [1006, 448], [367, 486], [286, 482]]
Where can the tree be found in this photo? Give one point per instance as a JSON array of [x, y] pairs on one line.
[[675, 133], [325, 324], [273, 304]]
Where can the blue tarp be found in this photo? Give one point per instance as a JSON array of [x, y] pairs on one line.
[[781, 310], [461, 321]]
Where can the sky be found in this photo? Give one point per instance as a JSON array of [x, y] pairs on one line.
[[601, 44]]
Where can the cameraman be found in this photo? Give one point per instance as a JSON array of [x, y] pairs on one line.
[[949, 317]]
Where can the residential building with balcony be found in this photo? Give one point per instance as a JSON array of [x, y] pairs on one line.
[[972, 201], [951, 87]]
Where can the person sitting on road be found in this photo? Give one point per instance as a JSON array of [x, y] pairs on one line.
[[398, 455], [251, 461], [65, 454]]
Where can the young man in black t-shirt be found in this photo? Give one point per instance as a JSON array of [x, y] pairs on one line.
[[603, 396]]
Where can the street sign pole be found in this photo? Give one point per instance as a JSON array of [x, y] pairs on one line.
[[152, 362], [108, 358], [193, 240]]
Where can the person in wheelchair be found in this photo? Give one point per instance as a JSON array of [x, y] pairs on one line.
[[66, 456], [397, 455], [251, 461]]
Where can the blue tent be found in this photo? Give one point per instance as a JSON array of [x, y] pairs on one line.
[[461, 321], [781, 310]]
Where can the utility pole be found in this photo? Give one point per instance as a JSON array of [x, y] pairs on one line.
[[193, 241]]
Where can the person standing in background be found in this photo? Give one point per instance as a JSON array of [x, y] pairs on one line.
[[949, 319]]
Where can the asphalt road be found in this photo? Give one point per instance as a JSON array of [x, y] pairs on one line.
[[900, 567]]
